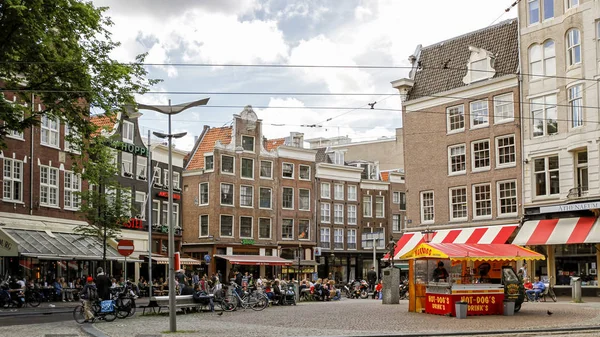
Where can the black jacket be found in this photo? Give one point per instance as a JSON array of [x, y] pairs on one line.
[[238, 279], [372, 276], [103, 285]]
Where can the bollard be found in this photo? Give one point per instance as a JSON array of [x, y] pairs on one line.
[[576, 289]]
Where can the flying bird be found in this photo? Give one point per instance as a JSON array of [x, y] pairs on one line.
[[220, 313], [549, 313], [372, 105]]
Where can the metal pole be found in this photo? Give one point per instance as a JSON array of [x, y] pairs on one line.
[[172, 309], [149, 217], [375, 257], [125, 271]]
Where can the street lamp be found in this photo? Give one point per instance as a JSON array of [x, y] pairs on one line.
[[428, 235], [332, 256], [299, 254], [171, 110]]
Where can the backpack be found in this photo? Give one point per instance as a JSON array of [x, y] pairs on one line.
[[92, 293]]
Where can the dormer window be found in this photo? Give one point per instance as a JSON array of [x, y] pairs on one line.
[[127, 132], [480, 66], [248, 143], [338, 158]]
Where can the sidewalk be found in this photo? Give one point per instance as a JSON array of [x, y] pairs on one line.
[[52, 307]]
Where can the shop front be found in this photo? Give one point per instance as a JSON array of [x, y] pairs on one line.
[[480, 275], [257, 265]]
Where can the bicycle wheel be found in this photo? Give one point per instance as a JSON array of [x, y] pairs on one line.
[[552, 294], [110, 316], [259, 303], [122, 310], [34, 300], [131, 307], [79, 314], [229, 303]]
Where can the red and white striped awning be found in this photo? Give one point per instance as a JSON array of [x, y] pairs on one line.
[[559, 231], [473, 235]]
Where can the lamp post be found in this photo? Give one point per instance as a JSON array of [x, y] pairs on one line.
[[332, 256], [299, 255], [428, 235], [171, 110]]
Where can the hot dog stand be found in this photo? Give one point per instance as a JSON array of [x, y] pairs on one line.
[[478, 274]]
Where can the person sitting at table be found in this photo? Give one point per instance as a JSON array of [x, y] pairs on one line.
[[538, 288], [58, 289], [113, 282], [66, 293], [440, 272], [527, 284]]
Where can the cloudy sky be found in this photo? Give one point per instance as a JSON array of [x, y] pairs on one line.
[[287, 32]]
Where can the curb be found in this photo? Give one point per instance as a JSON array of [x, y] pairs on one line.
[[90, 330], [36, 312]]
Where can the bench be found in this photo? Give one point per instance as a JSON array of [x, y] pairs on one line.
[[182, 302]]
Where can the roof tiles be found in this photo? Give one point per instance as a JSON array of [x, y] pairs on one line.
[[207, 144], [273, 144]]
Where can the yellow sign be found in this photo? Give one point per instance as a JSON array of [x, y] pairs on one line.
[[424, 250]]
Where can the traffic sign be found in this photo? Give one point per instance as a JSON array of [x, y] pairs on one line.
[[125, 247]]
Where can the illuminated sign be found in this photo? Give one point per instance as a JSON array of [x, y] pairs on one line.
[[164, 194]]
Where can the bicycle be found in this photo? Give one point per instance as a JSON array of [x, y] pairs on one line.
[[254, 300], [97, 312], [32, 298], [124, 302]]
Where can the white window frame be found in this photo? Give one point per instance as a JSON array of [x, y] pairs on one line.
[[283, 171], [232, 195], [282, 196], [572, 3], [221, 225], [175, 215], [156, 212], [127, 164], [253, 143], [547, 176], [352, 215], [242, 187], [474, 159], [307, 231], [270, 170], [338, 157], [270, 198], [367, 211], [251, 227], [582, 169], [200, 225], [325, 237], [506, 148], [460, 111], [477, 202], [50, 132], [300, 167], [351, 238], [338, 214], [157, 175], [423, 207], [545, 9], [452, 204], [128, 132], [50, 187], [140, 200], [71, 147], [270, 228], [380, 200], [352, 193], [326, 190], [573, 44], [473, 113], [233, 165], [542, 60], [200, 194], [338, 238], [176, 180], [291, 231], [325, 212], [19, 135], [242, 160], [544, 105], [338, 191], [502, 102], [396, 226], [300, 190], [165, 178], [212, 167], [12, 182], [499, 198], [395, 197], [575, 102], [72, 186], [530, 18], [141, 166], [450, 156]]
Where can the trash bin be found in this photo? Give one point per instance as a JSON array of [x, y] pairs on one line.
[[576, 289], [509, 308], [461, 309]]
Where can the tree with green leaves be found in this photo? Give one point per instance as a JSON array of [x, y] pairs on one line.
[[58, 53], [106, 204]]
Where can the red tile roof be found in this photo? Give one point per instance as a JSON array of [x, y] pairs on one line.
[[103, 122], [274, 143], [385, 176], [207, 144]]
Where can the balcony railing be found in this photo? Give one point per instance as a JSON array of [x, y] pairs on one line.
[[577, 192]]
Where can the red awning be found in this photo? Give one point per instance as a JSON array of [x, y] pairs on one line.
[[256, 260], [472, 252], [559, 231], [473, 235]]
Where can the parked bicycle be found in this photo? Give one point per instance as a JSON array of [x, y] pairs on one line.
[[124, 301], [253, 300], [101, 310]]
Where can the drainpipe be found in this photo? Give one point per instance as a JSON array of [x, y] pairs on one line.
[[32, 129]]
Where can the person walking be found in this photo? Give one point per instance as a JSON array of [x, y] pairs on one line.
[[88, 294], [103, 284], [372, 278]]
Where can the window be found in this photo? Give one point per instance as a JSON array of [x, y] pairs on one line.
[[175, 215], [325, 190], [534, 11], [352, 192], [572, 3], [582, 172], [338, 213], [325, 212], [139, 205], [266, 169], [458, 203], [304, 172], [248, 143], [13, 133], [396, 223], [504, 108], [427, 207], [325, 238], [288, 198], [542, 60], [127, 132], [396, 197], [155, 211], [156, 176], [573, 47], [338, 157], [12, 180], [507, 197], [457, 160], [402, 201], [71, 134], [303, 229], [264, 228], [166, 177], [204, 194], [482, 201], [127, 164], [245, 227], [141, 167], [338, 191], [478, 69], [247, 168], [50, 131], [246, 196], [176, 180], [456, 118], [203, 226], [287, 229], [226, 225], [548, 9], [165, 213], [379, 206], [72, 188], [367, 206], [351, 238], [304, 199], [209, 162], [338, 238], [576, 105], [265, 198], [546, 171], [351, 214], [48, 186], [287, 170], [543, 110], [481, 155], [227, 164], [227, 194], [505, 151], [479, 114]]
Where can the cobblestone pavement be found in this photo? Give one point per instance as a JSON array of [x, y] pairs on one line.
[[344, 318]]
